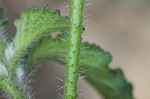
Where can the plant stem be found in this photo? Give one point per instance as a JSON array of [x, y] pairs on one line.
[[10, 89], [76, 15]]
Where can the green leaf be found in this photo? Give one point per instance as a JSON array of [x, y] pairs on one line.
[[110, 83], [35, 23], [31, 26]]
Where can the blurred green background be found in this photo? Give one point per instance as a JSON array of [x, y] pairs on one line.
[[120, 26]]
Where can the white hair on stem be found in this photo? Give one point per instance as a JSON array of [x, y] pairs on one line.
[[3, 70], [9, 52], [20, 73]]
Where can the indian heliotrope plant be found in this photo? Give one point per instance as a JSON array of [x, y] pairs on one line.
[[33, 43]]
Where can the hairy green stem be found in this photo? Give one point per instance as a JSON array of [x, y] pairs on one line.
[[10, 89], [76, 14]]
